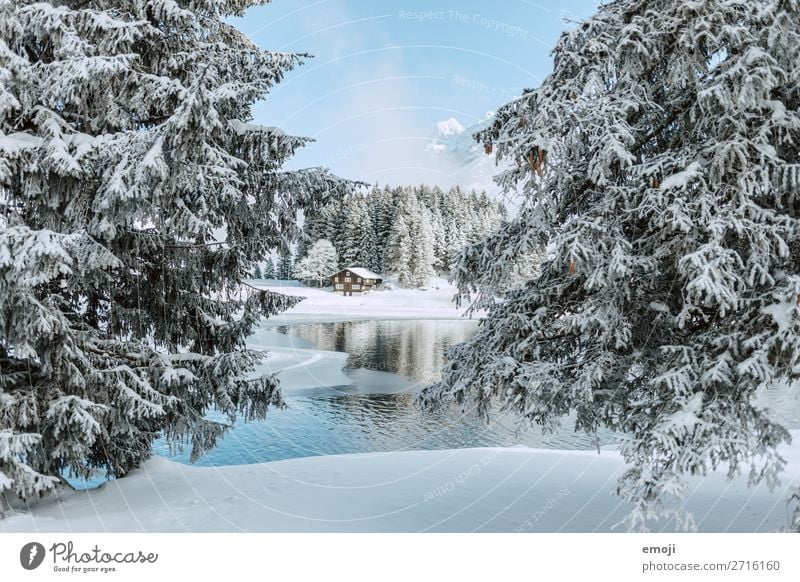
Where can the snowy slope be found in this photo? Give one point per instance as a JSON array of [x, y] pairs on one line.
[[516, 489]]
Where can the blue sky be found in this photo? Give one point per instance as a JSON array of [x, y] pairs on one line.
[[384, 73]]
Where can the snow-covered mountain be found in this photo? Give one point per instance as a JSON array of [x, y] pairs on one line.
[[453, 143], [454, 147], [450, 127]]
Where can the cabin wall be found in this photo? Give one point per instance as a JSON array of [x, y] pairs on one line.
[[348, 283]]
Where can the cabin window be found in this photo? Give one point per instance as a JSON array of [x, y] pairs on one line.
[[336, 279], [356, 286], [339, 286], [347, 279], [359, 279]]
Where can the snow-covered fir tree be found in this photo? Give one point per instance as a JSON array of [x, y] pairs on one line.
[[334, 218], [352, 244], [359, 238], [421, 261], [320, 263], [382, 215], [401, 243], [440, 259], [661, 160], [257, 274], [126, 148], [269, 269], [285, 266], [302, 246], [453, 229]]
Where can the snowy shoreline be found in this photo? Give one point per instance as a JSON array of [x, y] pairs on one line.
[[462, 490], [321, 305]]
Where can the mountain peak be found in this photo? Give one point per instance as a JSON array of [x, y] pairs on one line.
[[449, 127]]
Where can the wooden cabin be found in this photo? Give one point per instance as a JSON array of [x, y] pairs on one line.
[[355, 280]]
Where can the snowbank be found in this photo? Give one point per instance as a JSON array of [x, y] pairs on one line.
[[488, 489], [323, 305]]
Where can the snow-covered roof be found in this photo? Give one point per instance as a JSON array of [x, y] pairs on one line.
[[363, 273]]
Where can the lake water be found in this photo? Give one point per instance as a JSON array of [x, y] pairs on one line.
[[388, 362]]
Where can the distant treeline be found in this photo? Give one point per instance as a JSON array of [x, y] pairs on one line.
[[412, 232]]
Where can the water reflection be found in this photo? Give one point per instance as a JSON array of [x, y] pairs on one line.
[[414, 349]]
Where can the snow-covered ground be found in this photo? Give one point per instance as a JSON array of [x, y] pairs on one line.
[[322, 304], [511, 489]]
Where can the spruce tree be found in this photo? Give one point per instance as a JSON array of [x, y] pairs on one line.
[[335, 226], [302, 246], [422, 257], [440, 257], [360, 243], [660, 159], [126, 147], [382, 221], [398, 252], [347, 241], [285, 267], [269, 269]]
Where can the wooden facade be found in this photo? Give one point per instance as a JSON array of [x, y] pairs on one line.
[[355, 280]]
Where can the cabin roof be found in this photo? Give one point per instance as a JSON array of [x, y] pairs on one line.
[[361, 272]]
